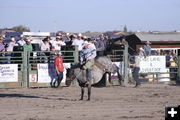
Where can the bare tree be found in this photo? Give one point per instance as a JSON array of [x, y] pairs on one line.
[[21, 28]]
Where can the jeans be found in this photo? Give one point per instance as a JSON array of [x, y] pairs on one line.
[[173, 75], [136, 75], [88, 73], [60, 77]]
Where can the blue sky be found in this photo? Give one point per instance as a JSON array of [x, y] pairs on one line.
[[91, 15]]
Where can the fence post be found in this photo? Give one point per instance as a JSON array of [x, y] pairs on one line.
[[76, 54], [76, 60], [25, 69], [126, 78]]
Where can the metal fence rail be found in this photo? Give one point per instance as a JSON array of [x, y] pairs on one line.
[[27, 62]]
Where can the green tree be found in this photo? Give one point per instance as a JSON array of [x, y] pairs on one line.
[[21, 28]]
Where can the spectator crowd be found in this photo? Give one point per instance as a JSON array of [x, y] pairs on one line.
[[61, 39], [53, 44]]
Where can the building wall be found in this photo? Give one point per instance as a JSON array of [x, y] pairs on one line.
[[160, 46]]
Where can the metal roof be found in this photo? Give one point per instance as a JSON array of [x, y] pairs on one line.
[[158, 36]]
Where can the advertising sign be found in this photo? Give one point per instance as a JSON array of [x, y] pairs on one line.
[[153, 64], [9, 73], [47, 73]]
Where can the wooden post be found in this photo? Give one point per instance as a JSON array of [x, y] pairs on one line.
[[76, 55], [76, 60], [25, 81], [126, 62]]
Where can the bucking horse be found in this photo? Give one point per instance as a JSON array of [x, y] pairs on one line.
[[102, 65]]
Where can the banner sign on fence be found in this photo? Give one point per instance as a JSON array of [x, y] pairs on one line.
[[9, 73], [153, 64], [47, 73]]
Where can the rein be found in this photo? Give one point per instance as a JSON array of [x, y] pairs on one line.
[[77, 75]]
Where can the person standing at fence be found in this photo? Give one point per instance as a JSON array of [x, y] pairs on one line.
[[59, 67], [21, 41], [45, 47], [2, 49], [2, 46], [52, 54], [9, 49], [136, 69], [28, 45], [58, 43], [79, 42], [101, 45], [147, 49], [141, 52], [11, 45], [70, 39], [173, 67]]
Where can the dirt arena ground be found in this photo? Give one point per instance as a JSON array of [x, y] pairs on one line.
[[107, 103]]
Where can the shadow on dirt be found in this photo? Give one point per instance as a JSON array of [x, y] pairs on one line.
[[18, 95], [30, 96]]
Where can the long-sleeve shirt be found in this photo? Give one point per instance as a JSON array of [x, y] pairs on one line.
[[1, 47], [88, 53], [79, 43], [28, 47], [58, 44], [10, 46], [100, 45], [21, 42], [45, 46], [147, 50], [137, 61]]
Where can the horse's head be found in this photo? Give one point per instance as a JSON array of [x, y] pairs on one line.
[[69, 76]]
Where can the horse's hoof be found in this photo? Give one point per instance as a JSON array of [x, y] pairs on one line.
[[88, 99], [81, 99]]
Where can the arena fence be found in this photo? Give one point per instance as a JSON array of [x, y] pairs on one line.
[[20, 68], [29, 68], [12, 69]]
